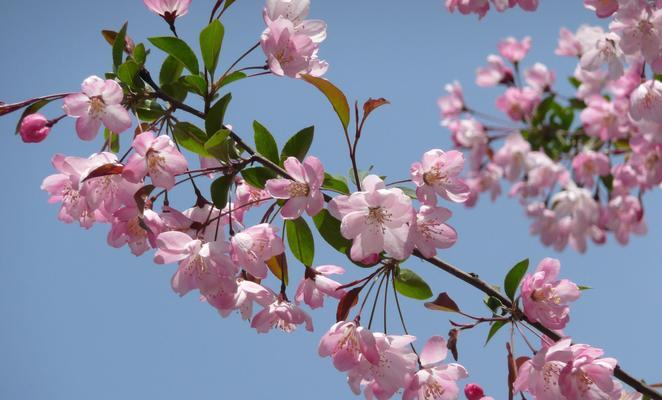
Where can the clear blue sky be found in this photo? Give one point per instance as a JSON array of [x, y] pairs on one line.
[[81, 320]]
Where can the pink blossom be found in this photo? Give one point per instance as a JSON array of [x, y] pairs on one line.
[[494, 73], [247, 197], [546, 298], [540, 77], [452, 105], [568, 44], [518, 103], [542, 173], [290, 53], [647, 161], [513, 50], [315, 285], [602, 8], [65, 187], [283, 315], [646, 101], [468, 133], [588, 164], [604, 119], [429, 231], [348, 343], [157, 157], [512, 155], [587, 376], [202, 265], [391, 373], [640, 31], [34, 128], [169, 9], [624, 216], [247, 293], [546, 225], [138, 230], [605, 51], [255, 245], [438, 173], [591, 82], [296, 11], [302, 193], [487, 179], [100, 101], [479, 7], [626, 84], [435, 380], [376, 219], [540, 375]]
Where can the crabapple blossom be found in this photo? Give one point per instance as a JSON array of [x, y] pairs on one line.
[[246, 198], [157, 157], [602, 8], [588, 164], [435, 380], [252, 247], [247, 293], [576, 209], [540, 77], [34, 128], [169, 9], [518, 103], [587, 376], [496, 72], [452, 105], [203, 265], [646, 101], [315, 285], [137, 230], [429, 231], [348, 343], [546, 298], [438, 173], [376, 219], [542, 173], [296, 11], [605, 119], [512, 155], [290, 53], [99, 102], [640, 31], [605, 51], [485, 180], [575, 45], [540, 375], [303, 191], [624, 215], [513, 50], [592, 83], [283, 315]]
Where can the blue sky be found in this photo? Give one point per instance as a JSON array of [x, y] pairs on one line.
[[82, 320]]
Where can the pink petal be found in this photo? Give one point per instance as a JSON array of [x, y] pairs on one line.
[[76, 105], [116, 118], [87, 127], [93, 86], [434, 351], [279, 188]]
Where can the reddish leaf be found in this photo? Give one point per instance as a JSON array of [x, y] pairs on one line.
[[443, 303], [105, 170], [452, 342], [512, 372], [372, 104], [345, 304], [140, 197]]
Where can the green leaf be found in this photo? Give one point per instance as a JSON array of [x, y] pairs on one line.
[[211, 39], [409, 284], [514, 277], [257, 176], [191, 138], [411, 193], [220, 189], [217, 146], [114, 140], [196, 84], [118, 47], [216, 114], [335, 96], [336, 183], [608, 181], [227, 4], [265, 143], [574, 82], [299, 144], [127, 72], [178, 90], [31, 109], [582, 287], [149, 111], [494, 329], [171, 70], [492, 303], [300, 240], [178, 49], [139, 54], [329, 228], [233, 77]]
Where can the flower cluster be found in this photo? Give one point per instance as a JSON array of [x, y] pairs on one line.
[[481, 7]]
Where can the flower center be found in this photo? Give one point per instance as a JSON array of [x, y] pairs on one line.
[[97, 106], [433, 390], [134, 228], [298, 189], [155, 162], [435, 176], [378, 216]]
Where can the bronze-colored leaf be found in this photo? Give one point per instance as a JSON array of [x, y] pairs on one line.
[[345, 304], [105, 170], [452, 342], [141, 195], [278, 266], [512, 372], [443, 302], [372, 104]]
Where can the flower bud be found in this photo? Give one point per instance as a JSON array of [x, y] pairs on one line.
[[473, 391], [34, 128]]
